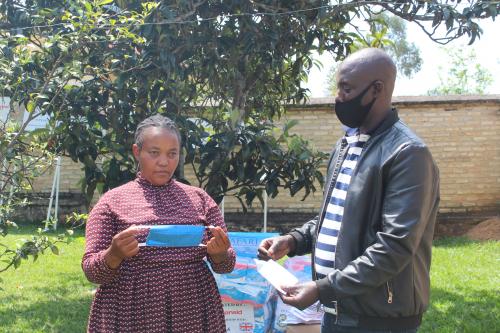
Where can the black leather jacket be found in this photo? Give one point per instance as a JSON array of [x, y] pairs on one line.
[[383, 253]]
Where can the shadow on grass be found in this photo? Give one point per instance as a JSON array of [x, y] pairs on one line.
[[449, 242], [31, 229], [63, 309], [471, 311], [49, 316]]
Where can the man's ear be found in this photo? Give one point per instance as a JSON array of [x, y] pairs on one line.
[[136, 150], [379, 87]]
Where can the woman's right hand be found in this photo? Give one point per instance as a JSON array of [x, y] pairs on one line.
[[123, 245]]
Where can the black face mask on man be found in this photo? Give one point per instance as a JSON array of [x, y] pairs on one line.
[[351, 113]]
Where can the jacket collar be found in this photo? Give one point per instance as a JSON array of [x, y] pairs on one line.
[[391, 118]]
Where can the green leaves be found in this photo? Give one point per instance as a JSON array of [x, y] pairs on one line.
[[54, 249], [97, 68], [32, 247], [252, 159], [104, 2], [464, 75]]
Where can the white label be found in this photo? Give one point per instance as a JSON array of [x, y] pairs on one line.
[[4, 109], [239, 317], [40, 121]]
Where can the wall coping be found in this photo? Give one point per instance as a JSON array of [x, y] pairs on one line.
[[318, 102]]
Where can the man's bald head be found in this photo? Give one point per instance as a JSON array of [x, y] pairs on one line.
[[372, 64], [366, 78]]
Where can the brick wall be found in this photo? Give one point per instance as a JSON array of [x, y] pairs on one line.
[[463, 133]]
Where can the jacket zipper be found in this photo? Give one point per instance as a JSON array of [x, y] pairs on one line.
[[338, 165], [389, 293], [344, 147]]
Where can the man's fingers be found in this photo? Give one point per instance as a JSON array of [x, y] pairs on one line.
[[263, 254], [274, 251], [290, 300], [263, 250], [290, 290]]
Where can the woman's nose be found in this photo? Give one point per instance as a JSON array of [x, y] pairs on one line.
[[163, 160]]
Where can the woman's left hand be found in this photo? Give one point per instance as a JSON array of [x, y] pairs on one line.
[[218, 245]]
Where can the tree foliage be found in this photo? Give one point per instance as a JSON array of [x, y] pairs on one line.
[[388, 32], [463, 75], [223, 70], [99, 72], [99, 67], [22, 159]]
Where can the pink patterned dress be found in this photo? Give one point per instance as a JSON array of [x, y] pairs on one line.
[[160, 289]]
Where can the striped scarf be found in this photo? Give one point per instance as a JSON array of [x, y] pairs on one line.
[[328, 234]]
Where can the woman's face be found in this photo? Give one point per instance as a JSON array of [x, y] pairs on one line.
[[159, 156]]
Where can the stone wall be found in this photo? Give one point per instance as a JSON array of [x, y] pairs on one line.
[[463, 133]]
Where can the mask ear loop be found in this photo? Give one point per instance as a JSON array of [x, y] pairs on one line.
[[137, 166], [207, 228], [140, 227], [374, 82]]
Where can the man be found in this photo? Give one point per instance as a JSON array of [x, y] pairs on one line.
[[371, 242]]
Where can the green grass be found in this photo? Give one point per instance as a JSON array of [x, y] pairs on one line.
[[465, 281], [49, 295], [52, 294]]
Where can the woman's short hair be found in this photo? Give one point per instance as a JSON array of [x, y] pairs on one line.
[[155, 121]]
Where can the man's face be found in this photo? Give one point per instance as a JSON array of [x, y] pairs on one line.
[[350, 83], [159, 155]]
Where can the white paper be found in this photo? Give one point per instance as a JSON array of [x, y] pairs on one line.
[[276, 274]]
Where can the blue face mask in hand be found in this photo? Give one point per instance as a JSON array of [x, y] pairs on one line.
[[175, 235]]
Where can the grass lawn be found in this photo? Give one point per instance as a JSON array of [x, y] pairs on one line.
[[49, 295], [465, 287], [52, 295]]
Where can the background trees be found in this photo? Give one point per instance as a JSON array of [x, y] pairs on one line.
[[463, 75], [223, 70], [387, 32]]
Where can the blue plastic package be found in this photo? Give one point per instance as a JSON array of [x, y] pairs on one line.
[[245, 244], [247, 297]]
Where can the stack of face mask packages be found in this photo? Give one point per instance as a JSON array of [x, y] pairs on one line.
[[251, 304], [249, 300]]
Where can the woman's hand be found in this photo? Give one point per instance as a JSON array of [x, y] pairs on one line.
[[218, 245], [124, 245]]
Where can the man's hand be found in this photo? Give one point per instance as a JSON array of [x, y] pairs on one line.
[[123, 245], [276, 248], [302, 295], [218, 245]]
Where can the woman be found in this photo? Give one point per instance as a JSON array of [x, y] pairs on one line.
[[155, 289]]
